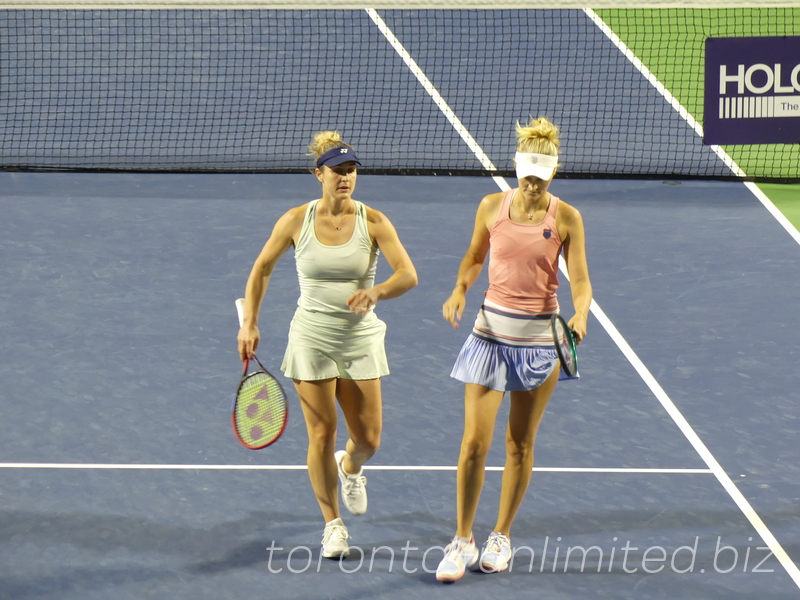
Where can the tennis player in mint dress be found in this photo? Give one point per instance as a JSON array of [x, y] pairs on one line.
[[336, 341], [511, 347]]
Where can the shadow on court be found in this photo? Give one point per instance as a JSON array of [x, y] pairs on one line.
[[119, 328]]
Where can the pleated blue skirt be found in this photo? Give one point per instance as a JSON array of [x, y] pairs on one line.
[[503, 367]]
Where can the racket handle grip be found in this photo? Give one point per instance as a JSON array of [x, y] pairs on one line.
[[240, 310]]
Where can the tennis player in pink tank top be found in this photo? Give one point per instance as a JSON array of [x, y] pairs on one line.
[[511, 349]]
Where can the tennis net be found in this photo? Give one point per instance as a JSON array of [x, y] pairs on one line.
[[415, 91]]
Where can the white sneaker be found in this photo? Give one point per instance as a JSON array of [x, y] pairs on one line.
[[354, 487], [459, 555], [334, 540], [496, 553]]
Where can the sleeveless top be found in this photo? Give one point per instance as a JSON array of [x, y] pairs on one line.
[[328, 275], [523, 260]]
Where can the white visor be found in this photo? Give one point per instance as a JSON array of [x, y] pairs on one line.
[[538, 165]]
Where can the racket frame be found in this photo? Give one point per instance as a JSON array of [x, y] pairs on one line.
[[245, 375], [555, 321]]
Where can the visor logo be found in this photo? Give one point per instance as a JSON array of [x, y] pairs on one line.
[[343, 151]]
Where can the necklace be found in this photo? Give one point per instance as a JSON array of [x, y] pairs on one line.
[[531, 217], [341, 220]]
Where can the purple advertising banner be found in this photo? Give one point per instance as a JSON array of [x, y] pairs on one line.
[[752, 90]]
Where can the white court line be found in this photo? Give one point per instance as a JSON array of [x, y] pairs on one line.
[[434, 93], [190, 467], [694, 439], [773, 210], [698, 129], [726, 482], [653, 80]]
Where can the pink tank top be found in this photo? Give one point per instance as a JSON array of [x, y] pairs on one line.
[[523, 260]]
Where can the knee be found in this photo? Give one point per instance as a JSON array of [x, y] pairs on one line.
[[519, 452], [322, 436], [474, 448], [369, 442]]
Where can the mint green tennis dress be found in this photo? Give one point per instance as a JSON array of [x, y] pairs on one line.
[[326, 339]]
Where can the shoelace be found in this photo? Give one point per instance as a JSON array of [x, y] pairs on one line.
[[455, 547], [494, 544], [353, 484], [335, 532]]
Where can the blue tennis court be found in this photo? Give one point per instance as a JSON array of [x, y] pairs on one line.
[[121, 476], [668, 471]]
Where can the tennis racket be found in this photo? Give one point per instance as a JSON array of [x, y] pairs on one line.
[[260, 411], [565, 346]]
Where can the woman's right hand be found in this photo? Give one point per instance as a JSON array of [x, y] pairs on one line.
[[453, 307], [248, 339]]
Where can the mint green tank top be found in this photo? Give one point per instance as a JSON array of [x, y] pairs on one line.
[[328, 275]]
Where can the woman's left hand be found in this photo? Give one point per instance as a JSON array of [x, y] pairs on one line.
[[578, 326], [361, 301]]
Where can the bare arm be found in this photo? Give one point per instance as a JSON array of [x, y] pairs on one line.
[[472, 263], [281, 239], [575, 256], [404, 276]]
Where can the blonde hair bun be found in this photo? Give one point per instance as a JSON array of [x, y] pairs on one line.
[[539, 136], [324, 141]]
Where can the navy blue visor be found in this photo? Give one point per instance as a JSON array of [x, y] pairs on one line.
[[337, 156]]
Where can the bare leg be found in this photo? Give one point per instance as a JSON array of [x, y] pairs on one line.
[[526, 412], [363, 413], [317, 399], [480, 412]]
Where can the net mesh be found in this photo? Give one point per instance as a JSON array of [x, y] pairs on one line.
[[180, 89]]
